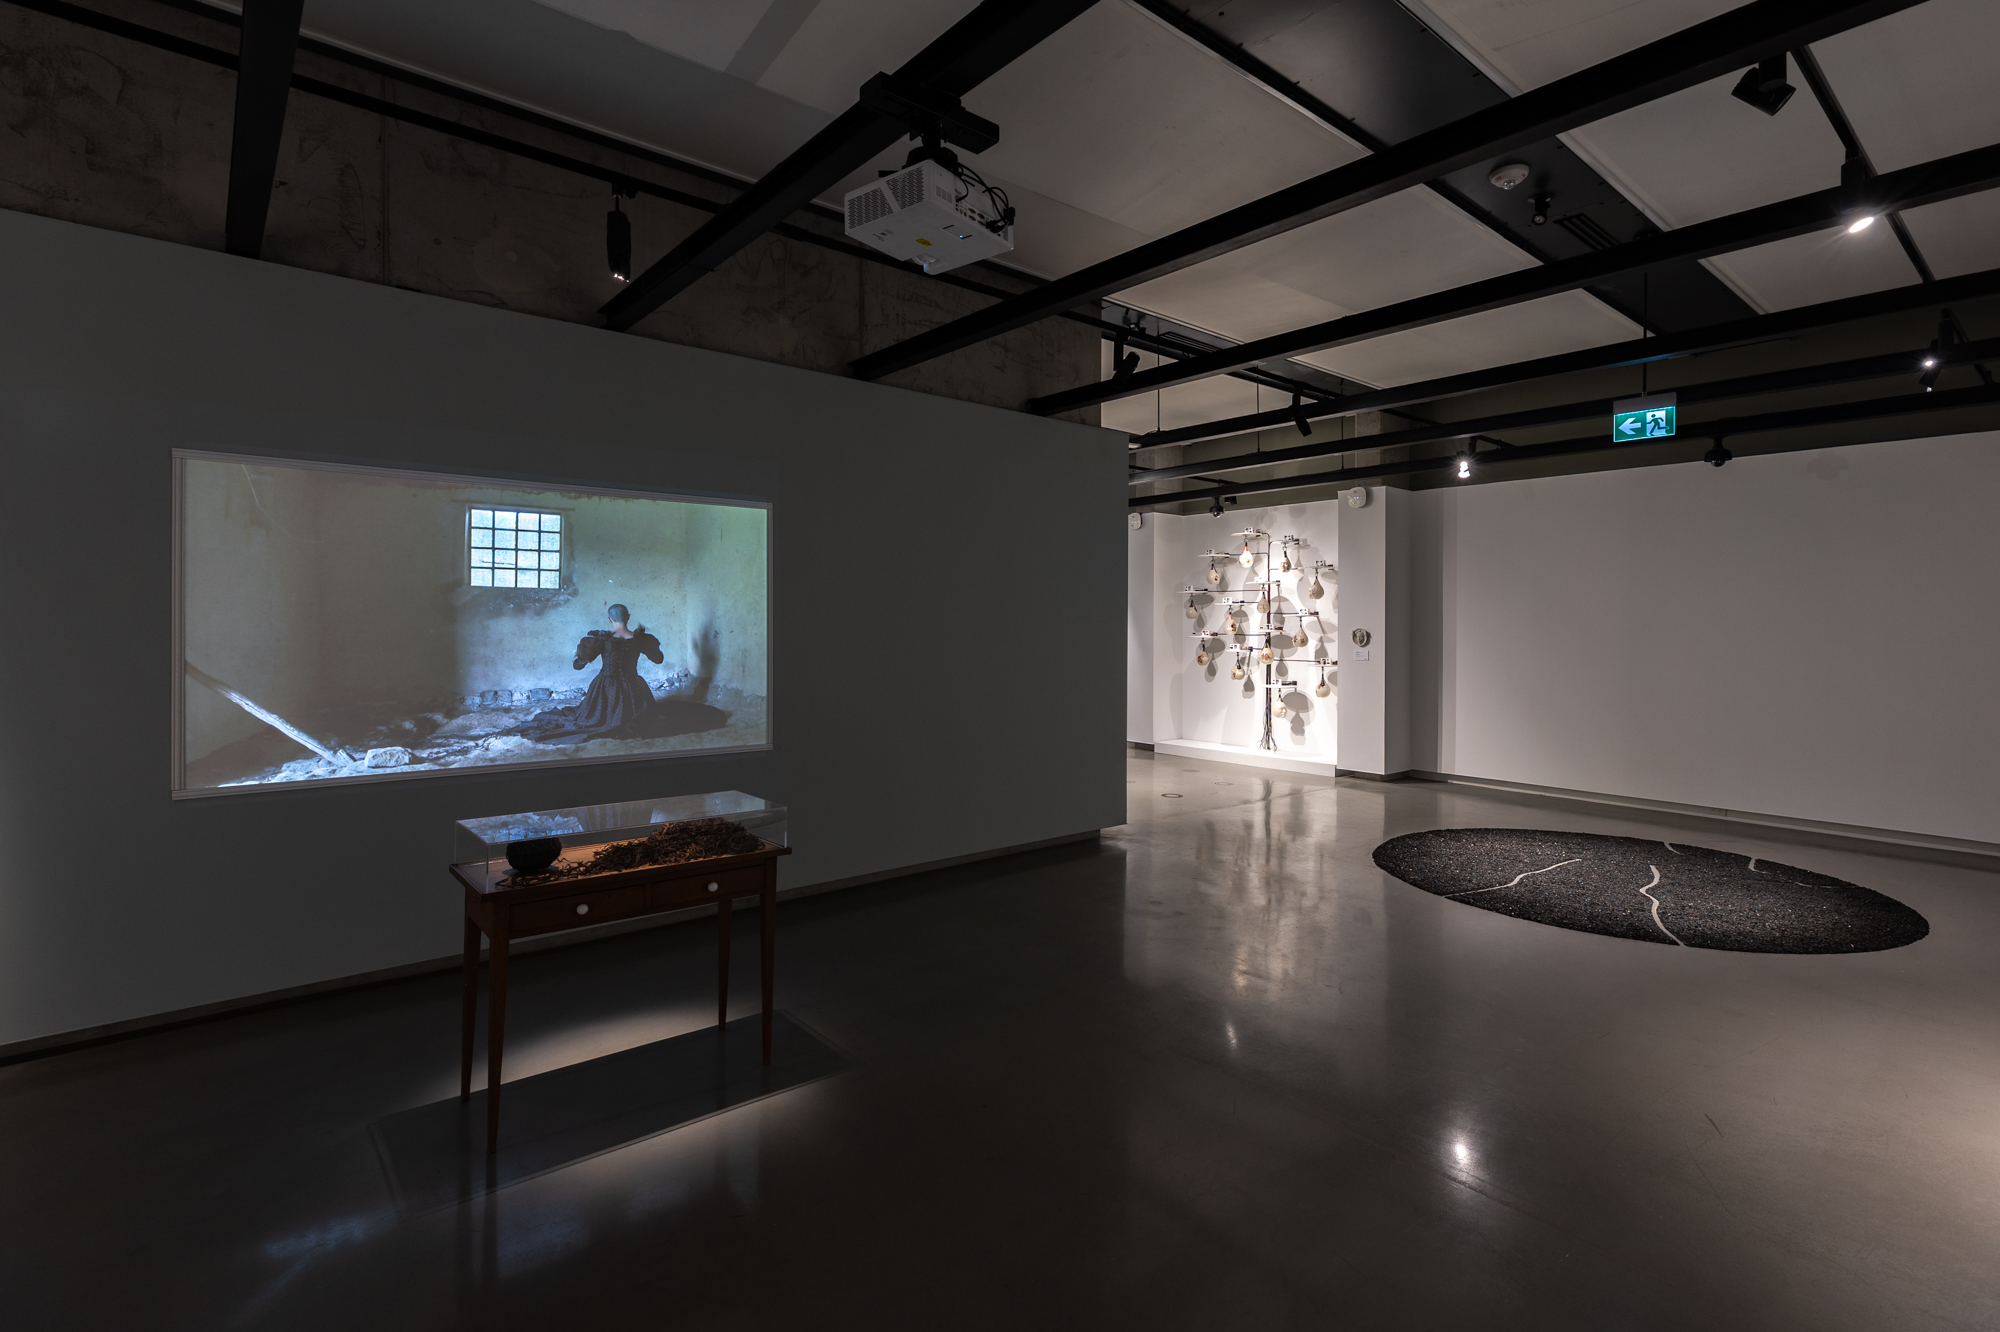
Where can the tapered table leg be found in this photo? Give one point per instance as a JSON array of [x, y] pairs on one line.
[[722, 914], [769, 949], [471, 1018], [496, 1034]]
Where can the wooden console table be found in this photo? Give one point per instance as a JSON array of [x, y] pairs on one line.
[[505, 913]]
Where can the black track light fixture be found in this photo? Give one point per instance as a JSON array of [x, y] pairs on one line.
[[1544, 203], [1462, 464], [1857, 205], [1933, 367], [1299, 417], [618, 236], [1717, 455], [1763, 86], [1123, 362]]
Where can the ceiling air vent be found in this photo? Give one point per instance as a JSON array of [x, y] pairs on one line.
[[1585, 228]]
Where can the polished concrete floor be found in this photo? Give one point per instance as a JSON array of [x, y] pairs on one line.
[[1217, 1071]]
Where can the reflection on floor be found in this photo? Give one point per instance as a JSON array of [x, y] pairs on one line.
[[1218, 1071]]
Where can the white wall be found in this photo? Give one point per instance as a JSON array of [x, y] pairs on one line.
[[1375, 593], [1139, 619], [1192, 702], [1809, 635], [117, 902]]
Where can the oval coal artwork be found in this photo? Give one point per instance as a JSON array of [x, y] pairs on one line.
[[1660, 892]]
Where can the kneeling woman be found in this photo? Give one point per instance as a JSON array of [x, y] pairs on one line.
[[617, 698]]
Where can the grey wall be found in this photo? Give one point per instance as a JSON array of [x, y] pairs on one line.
[[1807, 635], [116, 902]]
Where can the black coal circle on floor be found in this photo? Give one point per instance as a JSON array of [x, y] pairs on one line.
[[1660, 892]]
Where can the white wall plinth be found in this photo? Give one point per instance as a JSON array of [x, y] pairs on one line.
[[1318, 765]]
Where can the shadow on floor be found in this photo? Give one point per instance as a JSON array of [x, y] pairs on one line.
[[435, 1154]]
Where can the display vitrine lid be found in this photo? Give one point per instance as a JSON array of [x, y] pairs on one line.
[[616, 817]]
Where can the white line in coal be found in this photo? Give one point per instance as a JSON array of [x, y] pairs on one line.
[[1517, 878], [1647, 892]]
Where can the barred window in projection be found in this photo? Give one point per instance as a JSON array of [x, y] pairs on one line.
[[514, 548]]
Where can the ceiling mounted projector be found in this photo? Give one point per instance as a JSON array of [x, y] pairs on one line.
[[926, 214]]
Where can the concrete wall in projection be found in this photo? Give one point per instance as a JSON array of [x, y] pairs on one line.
[[190, 902], [1809, 635]]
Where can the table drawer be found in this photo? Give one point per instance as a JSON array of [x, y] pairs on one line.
[[569, 913], [708, 888]]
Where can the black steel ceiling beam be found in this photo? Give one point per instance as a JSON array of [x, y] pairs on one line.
[[1850, 143], [1708, 50], [1637, 351], [1855, 371], [263, 86], [1290, 90], [222, 59], [971, 51], [1909, 404], [1927, 182]]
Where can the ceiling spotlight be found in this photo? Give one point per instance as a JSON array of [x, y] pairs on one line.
[[1717, 456], [618, 239], [1763, 86], [1462, 466], [1933, 367], [1543, 202], [1856, 205], [1215, 509], [1507, 177], [1299, 418]]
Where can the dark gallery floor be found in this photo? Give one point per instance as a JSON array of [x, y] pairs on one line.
[[1219, 1070]]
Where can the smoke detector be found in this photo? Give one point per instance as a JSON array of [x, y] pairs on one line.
[[926, 214], [1507, 177]]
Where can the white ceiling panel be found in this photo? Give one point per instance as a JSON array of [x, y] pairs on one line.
[[1916, 85], [1555, 324], [844, 43], [708, 32]]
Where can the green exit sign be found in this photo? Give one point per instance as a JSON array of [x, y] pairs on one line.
[[1643, 418]]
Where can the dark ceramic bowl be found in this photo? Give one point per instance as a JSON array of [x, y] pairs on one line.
[[533, 855]]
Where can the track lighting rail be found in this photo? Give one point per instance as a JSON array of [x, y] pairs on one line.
[[1855, 371], [1720, 46], [1637, 351], [1909, 404], [1925, 183]]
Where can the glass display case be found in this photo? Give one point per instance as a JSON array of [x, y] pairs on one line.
[[549, 845]]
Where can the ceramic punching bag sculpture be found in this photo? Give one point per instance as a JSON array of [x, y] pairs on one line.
[[1265, 655], [1236, 671], [1278, 709], [1229, 622], [1246, 557], [1214, 575], [1192, 613], [1264, 602], [1299, 638], [1322, 688], [1287, 566], [1201, 653], [1315, 591]]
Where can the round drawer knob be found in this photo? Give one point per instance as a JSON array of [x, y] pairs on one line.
[[712, 887], [583, 908]]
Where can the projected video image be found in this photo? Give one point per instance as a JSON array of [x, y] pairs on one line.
[[338, 623]]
